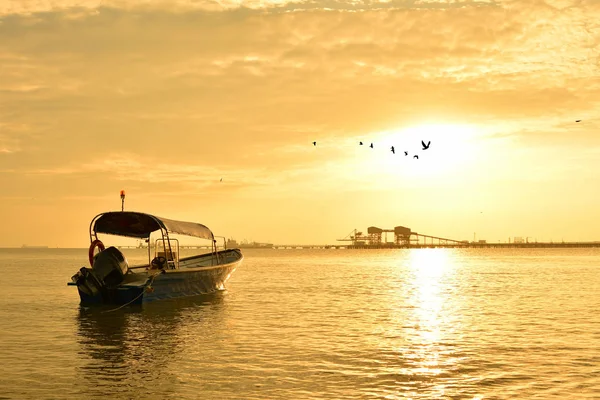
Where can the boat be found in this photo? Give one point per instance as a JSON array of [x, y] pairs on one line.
[[111, 280]]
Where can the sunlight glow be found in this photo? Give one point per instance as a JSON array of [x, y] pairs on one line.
[[452, 148], [452, 158]]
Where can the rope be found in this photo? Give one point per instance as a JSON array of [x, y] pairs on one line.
[[137, 297]]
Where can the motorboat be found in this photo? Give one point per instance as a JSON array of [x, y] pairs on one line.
[[111, 280]]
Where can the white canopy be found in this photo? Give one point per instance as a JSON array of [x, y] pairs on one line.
[[140, 225]]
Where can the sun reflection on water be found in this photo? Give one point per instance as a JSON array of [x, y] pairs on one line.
[[421, 336], [428, 267]]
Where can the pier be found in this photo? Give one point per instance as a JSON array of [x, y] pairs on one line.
[[536, 245], [406, 238], [403, 238], [531, 245]]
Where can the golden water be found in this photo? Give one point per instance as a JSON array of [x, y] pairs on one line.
[[315, 324]]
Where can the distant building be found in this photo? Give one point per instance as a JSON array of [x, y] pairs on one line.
[[232, 243], [518, 239]]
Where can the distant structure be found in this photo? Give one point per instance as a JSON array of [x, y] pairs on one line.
[[376, 238], [519, 239], [233, 244], [143, 244], [403, 237]]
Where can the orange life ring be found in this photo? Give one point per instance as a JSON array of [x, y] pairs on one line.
[[95, 243]]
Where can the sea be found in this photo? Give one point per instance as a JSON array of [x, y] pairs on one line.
[[314, 324]]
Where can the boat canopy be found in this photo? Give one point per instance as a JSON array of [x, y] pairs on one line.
[[140, 225]]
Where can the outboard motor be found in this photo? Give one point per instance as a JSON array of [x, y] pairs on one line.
[[108, 271], [88, 283], [110, 266]]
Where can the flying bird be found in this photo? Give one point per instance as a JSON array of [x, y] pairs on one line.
[[406, 153], [221, 179], [314, 143], [393, 151], [416, 156], [578, 120], [371, 146], [425, 146], [360, 143]]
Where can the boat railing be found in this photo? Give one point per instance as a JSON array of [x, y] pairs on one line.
[[171, 253], [217, 256], [224, 242]]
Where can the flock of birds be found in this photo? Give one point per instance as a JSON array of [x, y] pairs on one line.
[[425, 147]]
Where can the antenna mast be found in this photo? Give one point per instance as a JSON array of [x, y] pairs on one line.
[[122, 200]]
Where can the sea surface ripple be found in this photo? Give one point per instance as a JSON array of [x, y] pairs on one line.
[[315, 324]]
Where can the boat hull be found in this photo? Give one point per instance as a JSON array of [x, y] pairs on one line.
[[151, 285], [188, 283]]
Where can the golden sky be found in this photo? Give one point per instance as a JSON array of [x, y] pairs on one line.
[[165, 98]]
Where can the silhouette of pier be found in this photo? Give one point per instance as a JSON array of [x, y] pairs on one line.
[[403, 237], [531, 245], [475, 245]]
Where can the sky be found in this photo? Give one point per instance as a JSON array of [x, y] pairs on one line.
[[163, 99]]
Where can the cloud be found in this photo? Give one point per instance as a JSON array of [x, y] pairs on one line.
[[246, 87], [12, 134], [82, 8], [491, 48]]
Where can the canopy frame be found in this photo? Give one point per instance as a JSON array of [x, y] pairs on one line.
[[140, 225]]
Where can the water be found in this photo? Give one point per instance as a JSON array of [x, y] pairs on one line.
[[315, 324]]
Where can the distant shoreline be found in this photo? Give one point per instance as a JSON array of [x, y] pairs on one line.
[[538, 245]]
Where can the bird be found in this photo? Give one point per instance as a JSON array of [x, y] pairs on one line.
[[393, 151], [425, 146], [416, 156], [578, 120], [406, 153], [360, 143], [371, 146], [314, 143], [221, 179]]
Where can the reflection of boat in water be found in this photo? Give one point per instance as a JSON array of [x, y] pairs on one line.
[[231, 243], [132, 352], [112, 281]]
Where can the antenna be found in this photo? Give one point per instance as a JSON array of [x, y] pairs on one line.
[[122, 200]]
